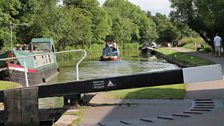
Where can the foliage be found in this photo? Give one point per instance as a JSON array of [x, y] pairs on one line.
[[81, 23], [166, 30], [191, 43], [129, 22], [203, 16], [194, 43], [8, 10], [129, 51], [94, 23]]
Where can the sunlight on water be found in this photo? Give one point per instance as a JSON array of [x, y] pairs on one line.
[[101, 69]]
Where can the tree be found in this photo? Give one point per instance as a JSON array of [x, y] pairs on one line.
[[77, 22], [166, 30], [203, 16], [129, 22], [8, 13], [90, 8], [28, 14], [78, 30]]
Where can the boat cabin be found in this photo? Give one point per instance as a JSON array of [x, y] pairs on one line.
[[39, 60], [42, 44]]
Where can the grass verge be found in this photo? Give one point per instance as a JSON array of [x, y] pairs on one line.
[[196, 61], [176, 91], [4, 85]]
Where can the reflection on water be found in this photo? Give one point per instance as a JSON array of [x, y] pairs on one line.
[[100, 69]]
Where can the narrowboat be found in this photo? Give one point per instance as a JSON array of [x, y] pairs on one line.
[[38, 60]]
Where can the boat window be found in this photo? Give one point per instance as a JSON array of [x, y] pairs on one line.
[[42, 46]]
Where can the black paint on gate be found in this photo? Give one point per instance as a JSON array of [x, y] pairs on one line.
[[112, 83]]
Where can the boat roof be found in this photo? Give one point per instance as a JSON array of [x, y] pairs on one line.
[[44, 40]]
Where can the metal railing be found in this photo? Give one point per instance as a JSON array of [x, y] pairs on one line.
[[25, 65], [77, 65]]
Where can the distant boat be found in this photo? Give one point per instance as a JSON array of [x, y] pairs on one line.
[[148, 49], [39, 59]]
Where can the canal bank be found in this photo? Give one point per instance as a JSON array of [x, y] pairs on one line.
[[182, 58], [210, 56]]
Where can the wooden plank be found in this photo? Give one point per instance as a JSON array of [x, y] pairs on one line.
[[12, 102], [29, 106], [1, 96], [21, 107], [44, 115], [1, 117]]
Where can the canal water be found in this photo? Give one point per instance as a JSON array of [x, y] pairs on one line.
[[99, 69]]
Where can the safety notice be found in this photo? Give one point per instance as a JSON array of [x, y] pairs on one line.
[[98, 84]]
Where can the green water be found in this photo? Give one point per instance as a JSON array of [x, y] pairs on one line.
[[94, 68]]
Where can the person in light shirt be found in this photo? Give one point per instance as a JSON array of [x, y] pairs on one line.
[[217, 44], [115, 49]]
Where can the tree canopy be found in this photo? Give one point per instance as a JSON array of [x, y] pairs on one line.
[[82, 22], [167, 31], [203, 16], [129, 22]]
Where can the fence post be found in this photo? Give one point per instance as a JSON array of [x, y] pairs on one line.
[[25, 71], [21, 107]]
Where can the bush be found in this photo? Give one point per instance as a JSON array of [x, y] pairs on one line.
[[193, 43]]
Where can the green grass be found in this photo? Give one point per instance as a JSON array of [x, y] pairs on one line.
[[4, 85], [196, 61], [193, 43], [176, 91]]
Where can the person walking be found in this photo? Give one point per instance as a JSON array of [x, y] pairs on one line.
[[217, 44]]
